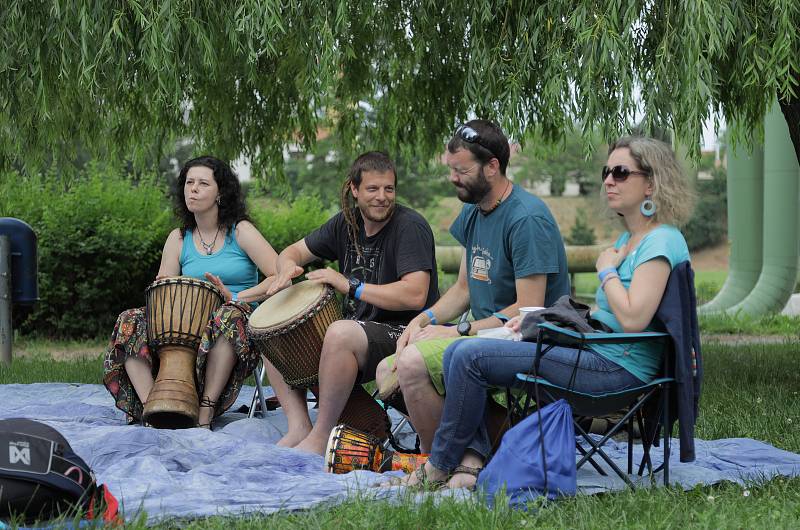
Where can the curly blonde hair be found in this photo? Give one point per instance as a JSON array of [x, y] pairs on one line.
[[673, 193]]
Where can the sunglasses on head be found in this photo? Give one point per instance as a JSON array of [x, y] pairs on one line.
[[620, 173], [468, 134]]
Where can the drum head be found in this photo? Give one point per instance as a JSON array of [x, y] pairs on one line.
[[184, 280], [284, 306], [330, 450]]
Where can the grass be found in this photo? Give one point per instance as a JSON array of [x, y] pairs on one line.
[[749, 391], [706, 283]]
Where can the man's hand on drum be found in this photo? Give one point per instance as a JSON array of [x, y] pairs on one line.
[[333, 278], [226, 293]]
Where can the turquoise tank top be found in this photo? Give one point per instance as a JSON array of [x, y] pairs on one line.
[[233, 266]]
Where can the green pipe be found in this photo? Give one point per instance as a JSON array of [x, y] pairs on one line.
[[780, 228], [745, 215]]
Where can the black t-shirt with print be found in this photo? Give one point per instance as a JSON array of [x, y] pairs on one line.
[[404, 245]]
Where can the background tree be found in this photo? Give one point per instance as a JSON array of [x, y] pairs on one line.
[[564, 161], [252, 76]]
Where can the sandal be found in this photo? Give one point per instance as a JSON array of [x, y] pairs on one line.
[[466, 470], [206, 402], [427, 484]]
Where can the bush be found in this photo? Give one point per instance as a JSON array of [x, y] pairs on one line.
[[581, 233], [285, 224], [99, 245], [709, 223]]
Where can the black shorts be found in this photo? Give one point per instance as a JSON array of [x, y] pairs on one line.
[[381, 343]]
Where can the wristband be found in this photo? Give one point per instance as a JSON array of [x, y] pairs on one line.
[[359, 290], [605, 272], [609, 276], [430, 316], [500, 316], [235, 297]]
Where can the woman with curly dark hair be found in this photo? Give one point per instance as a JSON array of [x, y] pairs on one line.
[[216, 242]]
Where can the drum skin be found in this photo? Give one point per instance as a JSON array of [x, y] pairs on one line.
[[178, 310]]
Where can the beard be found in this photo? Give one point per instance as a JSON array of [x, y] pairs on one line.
[[376, 217], [475, 191]]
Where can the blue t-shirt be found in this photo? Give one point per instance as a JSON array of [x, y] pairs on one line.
[[232, 264], [643, 359], [519, 238]]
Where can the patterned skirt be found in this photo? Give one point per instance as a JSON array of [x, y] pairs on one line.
[[129, 339]]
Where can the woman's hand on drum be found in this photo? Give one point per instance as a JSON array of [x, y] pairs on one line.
[[226, 293], [333, 278], [611, 257], [282, 280]]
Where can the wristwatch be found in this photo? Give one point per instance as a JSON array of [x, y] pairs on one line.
[[354, 283], [464, 328]]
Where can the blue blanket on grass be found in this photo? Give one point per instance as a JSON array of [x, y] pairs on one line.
[[238, 469]]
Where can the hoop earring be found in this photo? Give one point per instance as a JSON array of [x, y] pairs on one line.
[[218, 200], [648, 207]]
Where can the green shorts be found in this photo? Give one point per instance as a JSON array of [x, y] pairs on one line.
[[433, 354]]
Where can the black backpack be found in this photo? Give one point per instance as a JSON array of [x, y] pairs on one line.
[[41, 477]]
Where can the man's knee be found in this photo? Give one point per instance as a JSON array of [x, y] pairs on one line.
[[411, 368], [341, 334]]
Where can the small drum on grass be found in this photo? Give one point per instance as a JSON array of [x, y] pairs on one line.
[[178, 310], [289, 328], [350, 449]]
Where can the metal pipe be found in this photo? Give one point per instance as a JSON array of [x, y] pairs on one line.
[[6, 333], [745, 222], [780, 229]]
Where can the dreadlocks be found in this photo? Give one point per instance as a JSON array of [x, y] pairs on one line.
[[369, 161]]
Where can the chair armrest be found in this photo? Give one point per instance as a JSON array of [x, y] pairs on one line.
[[567, 336]]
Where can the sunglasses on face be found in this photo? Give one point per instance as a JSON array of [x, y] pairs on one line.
[[620, 173], [468, 134]]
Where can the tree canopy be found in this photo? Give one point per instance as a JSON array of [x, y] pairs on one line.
[[125, 78]]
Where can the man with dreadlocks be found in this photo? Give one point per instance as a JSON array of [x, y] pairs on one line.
[[387, 275]]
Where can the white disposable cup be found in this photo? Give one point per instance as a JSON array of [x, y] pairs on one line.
[[529, 309]]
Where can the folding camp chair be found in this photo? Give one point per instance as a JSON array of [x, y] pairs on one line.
[[656, 405], [595, 405]]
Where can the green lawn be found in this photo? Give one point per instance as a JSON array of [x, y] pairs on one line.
[[749, 391], [706, 283]]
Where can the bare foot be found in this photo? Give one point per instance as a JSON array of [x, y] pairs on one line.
[[294, 437], [313, 444]]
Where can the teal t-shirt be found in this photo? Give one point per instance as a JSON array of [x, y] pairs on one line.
[[519, 238], [232, 264], [643, 359]]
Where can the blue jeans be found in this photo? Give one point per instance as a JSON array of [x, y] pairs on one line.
[[471, 367]]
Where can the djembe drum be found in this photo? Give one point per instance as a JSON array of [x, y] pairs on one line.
[[178, 310], [289, 328], [349, 449]]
